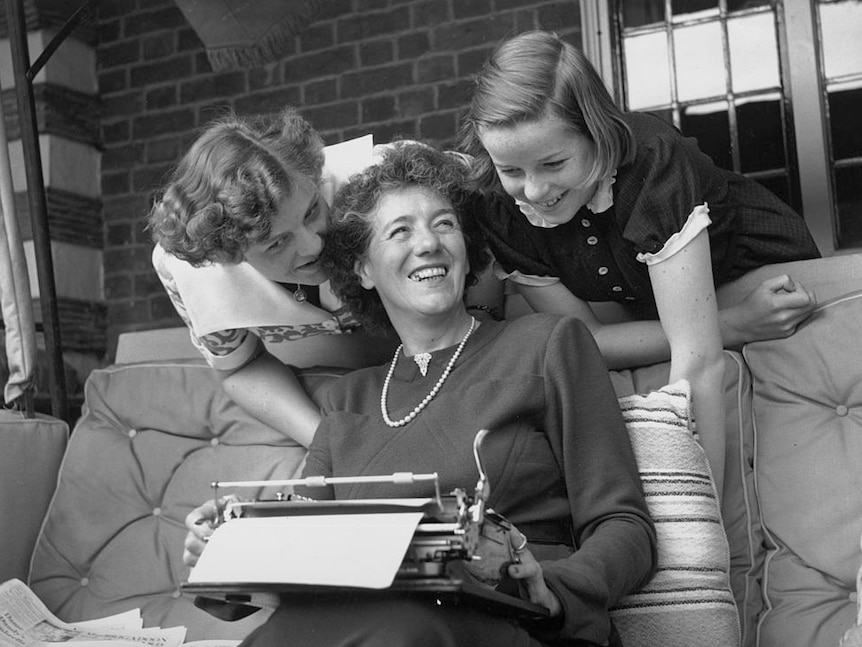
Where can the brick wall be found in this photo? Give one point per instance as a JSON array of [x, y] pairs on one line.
[[389, 67]]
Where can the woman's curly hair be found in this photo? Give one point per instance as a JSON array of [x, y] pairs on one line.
[[346, 241], [225, 190]]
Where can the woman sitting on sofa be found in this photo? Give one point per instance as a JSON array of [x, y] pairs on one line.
[[558, 457]]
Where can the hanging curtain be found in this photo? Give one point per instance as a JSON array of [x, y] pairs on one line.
[[248, 33], [15, 298]]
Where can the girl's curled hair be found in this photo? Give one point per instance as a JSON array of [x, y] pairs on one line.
[[225, 190], [347, 239]]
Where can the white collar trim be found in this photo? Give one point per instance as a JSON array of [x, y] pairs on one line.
[[602, 200]]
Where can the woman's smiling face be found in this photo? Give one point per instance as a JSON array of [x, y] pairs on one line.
[[417, 256], [545, 164]]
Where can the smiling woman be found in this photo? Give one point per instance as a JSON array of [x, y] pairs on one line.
[[416, 242], [400, 251]]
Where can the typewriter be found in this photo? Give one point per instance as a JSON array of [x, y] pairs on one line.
[[455, 550]]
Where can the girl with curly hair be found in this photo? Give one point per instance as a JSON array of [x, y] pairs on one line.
[[238, 242]]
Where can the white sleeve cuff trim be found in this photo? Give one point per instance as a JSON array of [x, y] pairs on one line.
[[530, 280], [698, 220]]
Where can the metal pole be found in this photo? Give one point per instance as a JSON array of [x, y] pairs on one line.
[[38, 206]]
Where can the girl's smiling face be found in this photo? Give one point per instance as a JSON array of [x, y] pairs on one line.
[[544, 164], [417, 256], [290, 252]]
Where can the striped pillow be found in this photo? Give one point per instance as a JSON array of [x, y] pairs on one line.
[[689, 600]]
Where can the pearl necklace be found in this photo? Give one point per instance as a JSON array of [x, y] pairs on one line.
[[384, 395]]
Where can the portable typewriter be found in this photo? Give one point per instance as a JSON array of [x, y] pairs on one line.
[[456, 551]]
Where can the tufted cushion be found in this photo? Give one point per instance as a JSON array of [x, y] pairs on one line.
[[151, 439], [807, 399], [689, 596]]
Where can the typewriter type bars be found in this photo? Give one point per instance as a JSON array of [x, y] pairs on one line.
[[449, 530]]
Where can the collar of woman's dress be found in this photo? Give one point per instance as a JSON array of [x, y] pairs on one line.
[[602, 200]]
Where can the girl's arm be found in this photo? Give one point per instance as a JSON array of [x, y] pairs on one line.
[[772, 309], [685, 296], [271, 392], [623, 344], [688, 334]]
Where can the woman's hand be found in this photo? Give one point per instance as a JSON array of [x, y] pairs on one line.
[[772, 310], [201, 523], [529, 573]]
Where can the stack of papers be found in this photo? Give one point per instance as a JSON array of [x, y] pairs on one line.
[[26, 622]]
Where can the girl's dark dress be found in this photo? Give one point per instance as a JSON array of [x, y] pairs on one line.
[[594, 255]]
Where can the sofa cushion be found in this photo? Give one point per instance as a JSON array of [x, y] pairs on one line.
[[739, 507], [690, 594], [807, 400], [151, 439]]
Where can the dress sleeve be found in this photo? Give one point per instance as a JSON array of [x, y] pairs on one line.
[[614, 535], [318, 462], [664, 189], [224, 350], [228, 350]]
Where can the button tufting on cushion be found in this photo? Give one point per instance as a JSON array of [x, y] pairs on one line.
[[214, 442], [103, 520], [808, 450]]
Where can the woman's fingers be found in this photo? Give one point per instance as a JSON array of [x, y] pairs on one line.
[[528, 571], [518, 544], [201, 523]]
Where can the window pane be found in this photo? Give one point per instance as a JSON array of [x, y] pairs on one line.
[[848, 182], [737, 5], [699, 61], [647, 74], [753, 52], [840, 27], [684, 8], [845, 107], [637, 13], [761, 136], [710, 125]]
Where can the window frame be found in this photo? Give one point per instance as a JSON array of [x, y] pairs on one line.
[[802, 68]]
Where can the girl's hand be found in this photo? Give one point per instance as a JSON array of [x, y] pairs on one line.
[[772, 310], [529, 573]]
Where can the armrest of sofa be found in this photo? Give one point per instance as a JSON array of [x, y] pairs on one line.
[[30, 454]]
